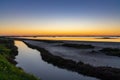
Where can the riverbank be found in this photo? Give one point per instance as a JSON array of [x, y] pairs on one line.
[[107, 50], [8, 70], [102, 72], [92, 56]]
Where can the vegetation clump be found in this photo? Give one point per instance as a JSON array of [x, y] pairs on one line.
[[80, 46], [111, 51]]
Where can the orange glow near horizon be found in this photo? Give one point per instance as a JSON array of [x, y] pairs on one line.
[[58, 28], [58, 32], [60, 17]]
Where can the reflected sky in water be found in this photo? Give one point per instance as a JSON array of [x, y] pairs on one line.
[[101, 39], [30, 60]]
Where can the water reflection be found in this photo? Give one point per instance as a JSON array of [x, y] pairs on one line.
[[101, 39], [30, 60]]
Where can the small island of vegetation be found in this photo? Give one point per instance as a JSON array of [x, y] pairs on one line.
[[111, 51], [79, 46]]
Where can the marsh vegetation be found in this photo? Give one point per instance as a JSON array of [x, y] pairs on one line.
[[8, 70]]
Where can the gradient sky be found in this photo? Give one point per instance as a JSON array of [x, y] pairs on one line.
[[60, 17]]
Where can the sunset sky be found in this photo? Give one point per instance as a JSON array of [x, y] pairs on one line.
[[60, 17]]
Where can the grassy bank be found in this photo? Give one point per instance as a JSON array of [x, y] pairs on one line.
[[8, 71]]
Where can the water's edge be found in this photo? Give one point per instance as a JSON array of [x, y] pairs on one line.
[[31, 61], [104, 73]]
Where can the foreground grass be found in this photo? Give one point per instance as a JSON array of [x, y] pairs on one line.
[[8, 71]]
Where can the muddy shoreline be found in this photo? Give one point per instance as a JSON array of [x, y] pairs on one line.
[[104, 73]]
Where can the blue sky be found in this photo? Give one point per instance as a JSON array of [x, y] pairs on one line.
[[60, 8], [59, 16]]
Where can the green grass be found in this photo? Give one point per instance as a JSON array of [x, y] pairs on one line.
[[8, 71]]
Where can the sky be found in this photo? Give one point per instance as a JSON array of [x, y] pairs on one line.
[[60, 17]]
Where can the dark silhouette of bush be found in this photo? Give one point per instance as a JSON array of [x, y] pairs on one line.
[[111, 51], [80, 46]]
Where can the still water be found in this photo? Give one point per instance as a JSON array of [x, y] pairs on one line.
[[31, 62], [100, 39]]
